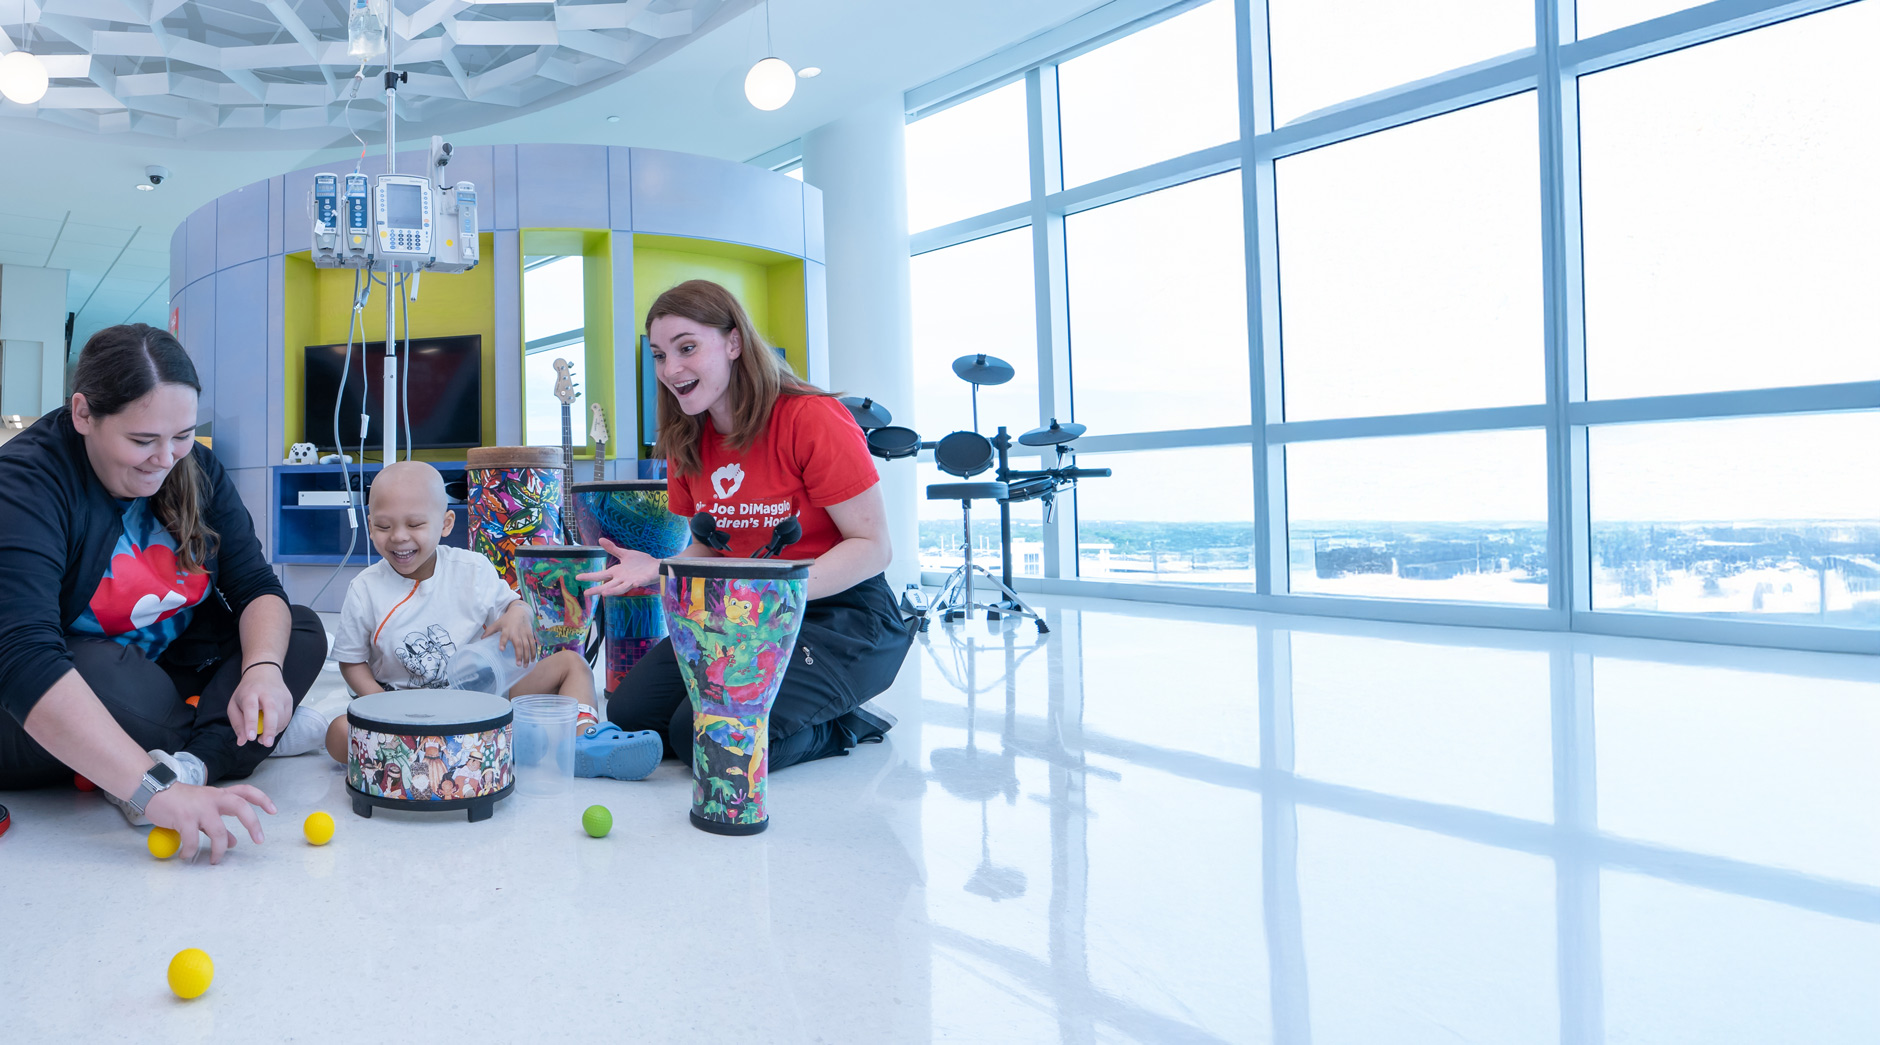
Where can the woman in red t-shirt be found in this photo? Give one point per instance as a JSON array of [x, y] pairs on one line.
[[751, 443]]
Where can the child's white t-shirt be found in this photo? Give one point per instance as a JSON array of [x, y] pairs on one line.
[[405, 636]]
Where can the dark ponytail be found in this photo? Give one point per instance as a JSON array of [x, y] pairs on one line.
[[119, 366]]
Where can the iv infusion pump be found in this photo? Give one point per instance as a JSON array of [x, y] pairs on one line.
[[402, 209], [393, 223]]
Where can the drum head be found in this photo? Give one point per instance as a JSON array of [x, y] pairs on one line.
[[738, 569], [964, 454], [428, 712], [1028, 489], [893, 443], [559, 551], [610, 485]]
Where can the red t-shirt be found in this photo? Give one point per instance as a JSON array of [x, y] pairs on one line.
[[810, 456]]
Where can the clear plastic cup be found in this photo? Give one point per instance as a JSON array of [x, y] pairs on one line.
[[544, 745], [484, 666]]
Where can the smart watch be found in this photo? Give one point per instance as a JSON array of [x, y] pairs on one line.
[[157, 778]]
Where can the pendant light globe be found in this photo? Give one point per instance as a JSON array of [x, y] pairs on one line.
[[23, 77], [770, 84]]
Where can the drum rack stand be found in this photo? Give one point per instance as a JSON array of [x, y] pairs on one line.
[[956, 600]]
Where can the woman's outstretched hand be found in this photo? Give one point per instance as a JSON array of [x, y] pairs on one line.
[[633, 570], [187, 810]]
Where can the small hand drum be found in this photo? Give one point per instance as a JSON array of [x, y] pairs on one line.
[[430, 750]]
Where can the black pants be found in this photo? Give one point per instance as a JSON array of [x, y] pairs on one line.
[[851, 647], [147, 700]]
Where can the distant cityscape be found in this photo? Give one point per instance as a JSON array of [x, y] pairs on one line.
[[1818, 571]]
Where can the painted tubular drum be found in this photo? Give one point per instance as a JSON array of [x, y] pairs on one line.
[[431, 750], [515, 500], [634, 514], [734, 626], [564, 607]]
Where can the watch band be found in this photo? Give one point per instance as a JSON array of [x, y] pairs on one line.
[[156, 779]]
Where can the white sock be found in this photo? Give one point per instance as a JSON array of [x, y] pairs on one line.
[[305, 732]]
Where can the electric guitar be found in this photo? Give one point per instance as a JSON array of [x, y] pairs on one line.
[[598, 432], [565, 391]]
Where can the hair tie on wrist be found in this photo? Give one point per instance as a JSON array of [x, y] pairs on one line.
[[258, 663]]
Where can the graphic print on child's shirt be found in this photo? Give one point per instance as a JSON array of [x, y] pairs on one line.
[[424, 654], [144, 598]]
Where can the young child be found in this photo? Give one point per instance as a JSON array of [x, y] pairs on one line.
[[407, 613]]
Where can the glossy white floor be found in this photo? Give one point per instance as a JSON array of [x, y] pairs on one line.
[[1156, 825]]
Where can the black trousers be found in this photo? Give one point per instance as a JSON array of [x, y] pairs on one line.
[[147, 700], [851, 647]]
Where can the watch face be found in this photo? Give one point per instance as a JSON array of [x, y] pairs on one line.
[[162, 774]]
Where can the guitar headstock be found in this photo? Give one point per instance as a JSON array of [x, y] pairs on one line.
[[564, 382], [597, 431]]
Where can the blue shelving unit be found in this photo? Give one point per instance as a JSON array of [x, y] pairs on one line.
[[316, 535]]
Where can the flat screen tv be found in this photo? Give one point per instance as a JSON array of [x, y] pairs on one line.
[[445, 393]]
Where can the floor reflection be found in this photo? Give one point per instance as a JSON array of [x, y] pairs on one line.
[[1174, 825]]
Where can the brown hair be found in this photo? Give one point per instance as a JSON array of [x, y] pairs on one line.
[[758, 376], [119, 366]]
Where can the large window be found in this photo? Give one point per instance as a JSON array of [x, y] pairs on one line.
[[1158, 316], [1730, 212], [1162, 92], [1331, 51], [1181, 516], [968, 159], [1774, 517], [1571, 327], [1410, 268], [552, 328], [1457, 517]]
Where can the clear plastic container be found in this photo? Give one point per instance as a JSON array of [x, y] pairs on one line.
[[485, 666], [544, 745]]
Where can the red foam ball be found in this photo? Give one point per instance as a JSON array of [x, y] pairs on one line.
[[82, 784]]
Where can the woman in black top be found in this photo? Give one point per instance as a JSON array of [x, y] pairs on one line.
[[141, 622]]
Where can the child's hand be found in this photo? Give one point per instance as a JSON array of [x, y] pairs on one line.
[[517, 628]]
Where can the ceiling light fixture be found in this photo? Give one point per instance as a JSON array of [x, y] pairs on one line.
[[22, 75], [613, 119], [808, 72], [771, 82], [144, 186]]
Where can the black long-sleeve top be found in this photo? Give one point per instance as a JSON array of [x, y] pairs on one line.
[[58, 528]]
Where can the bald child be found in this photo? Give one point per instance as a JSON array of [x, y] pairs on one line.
[[422, 601]]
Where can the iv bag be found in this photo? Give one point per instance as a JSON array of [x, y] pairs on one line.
[[365, 29]]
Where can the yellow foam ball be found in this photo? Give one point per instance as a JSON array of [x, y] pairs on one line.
[[190, 973], [318, 828], [163, 842]]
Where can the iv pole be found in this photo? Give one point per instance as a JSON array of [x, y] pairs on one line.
[[389, 453]]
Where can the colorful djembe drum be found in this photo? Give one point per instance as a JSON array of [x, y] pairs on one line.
[[429, 750], [564, 607], [734, 624], [632, 513], [515, 500]]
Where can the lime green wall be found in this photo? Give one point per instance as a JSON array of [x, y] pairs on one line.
[[317, 306], [769, 284]]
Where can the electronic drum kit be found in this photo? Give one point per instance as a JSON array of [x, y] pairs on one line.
[[968, 454]]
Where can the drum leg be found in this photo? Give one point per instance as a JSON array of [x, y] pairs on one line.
[[482, 808], [362, 805]]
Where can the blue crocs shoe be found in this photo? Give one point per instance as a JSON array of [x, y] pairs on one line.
[[609, 751]]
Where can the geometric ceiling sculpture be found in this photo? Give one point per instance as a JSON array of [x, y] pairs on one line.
[[207, 70]]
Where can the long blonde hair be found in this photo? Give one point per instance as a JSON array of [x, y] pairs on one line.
[[758, 377]]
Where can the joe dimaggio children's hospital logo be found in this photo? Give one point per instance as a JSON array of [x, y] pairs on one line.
[[740, 515]]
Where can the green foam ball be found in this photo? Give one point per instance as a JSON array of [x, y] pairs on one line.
[[597, 821]]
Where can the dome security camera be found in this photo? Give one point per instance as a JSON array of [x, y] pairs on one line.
[[156, 174]]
